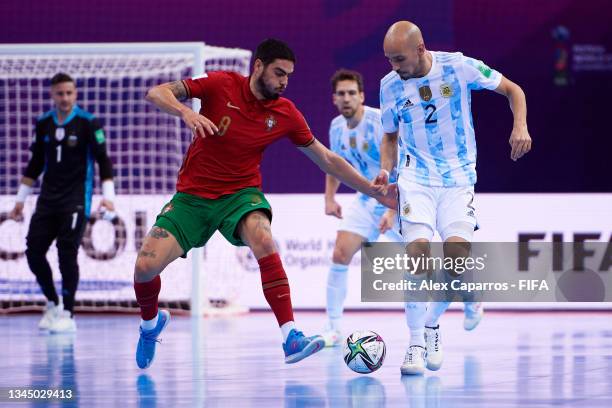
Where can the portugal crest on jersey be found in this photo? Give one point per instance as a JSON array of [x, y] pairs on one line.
[[425, 93], [270, 123]]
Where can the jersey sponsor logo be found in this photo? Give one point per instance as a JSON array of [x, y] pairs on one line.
[[484, 70], [100, 136], [60, 132], [425, 93], [407, 104], [446, 90], [229, 105], [270, 123], [72, 140]]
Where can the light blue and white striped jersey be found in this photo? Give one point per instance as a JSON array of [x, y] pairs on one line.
[[360, 147], [434, 118]]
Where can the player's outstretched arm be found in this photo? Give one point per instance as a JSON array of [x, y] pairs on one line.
[[168, 97], [520, 141], [336, 166], [331, 205], [388, 159]]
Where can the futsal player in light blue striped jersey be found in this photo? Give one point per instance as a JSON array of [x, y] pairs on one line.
[[425, 102]]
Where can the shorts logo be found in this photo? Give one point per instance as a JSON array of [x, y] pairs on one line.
[[167, 207], [446, 90], [59, 134], [406, 210], [425, 93], [255, 200], [270, 123], [471, 214]]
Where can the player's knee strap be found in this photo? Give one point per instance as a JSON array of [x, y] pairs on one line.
[[460, 229], [412, 231]]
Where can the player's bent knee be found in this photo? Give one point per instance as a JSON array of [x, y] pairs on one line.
[[262, 245], [341, 256], [145, 269], [458, 231]]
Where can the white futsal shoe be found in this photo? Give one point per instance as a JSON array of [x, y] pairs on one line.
[[473, 315], [433, 344], [414, 361], [64, 323], [51, 313]]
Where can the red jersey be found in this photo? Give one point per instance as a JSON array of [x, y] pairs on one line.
[[229, 161]]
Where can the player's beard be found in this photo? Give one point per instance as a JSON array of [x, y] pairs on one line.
[[264, 91], [348, 113]]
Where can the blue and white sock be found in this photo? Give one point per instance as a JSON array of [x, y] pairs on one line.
[[415, 318], [434, 311], [336, 293]]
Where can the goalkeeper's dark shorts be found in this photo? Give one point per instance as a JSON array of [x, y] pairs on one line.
[[192, 220]]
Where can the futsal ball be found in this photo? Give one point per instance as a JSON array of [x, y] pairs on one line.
[[364, 351]]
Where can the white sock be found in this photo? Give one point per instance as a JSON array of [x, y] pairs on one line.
[[469, 307], [149, 324], [434, 311], [334, 324], [336, 293], [286, 329], [415, 317]]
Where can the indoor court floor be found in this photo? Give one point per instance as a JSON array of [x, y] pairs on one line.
[[536, 359]]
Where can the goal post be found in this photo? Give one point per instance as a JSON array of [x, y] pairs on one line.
[[146, 146]]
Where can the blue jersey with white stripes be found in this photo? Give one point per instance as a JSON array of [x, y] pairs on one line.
[[433, 117], [360, 146]]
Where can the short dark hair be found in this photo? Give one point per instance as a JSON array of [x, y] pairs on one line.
[[61, 77], [270, 49], [346, 75]]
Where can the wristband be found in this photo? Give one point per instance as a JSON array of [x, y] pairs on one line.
[[108, 190], [23, 192]]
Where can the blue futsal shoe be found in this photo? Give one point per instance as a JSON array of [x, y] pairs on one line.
[[145, 352], [298, 346]]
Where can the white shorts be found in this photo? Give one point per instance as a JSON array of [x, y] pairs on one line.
[[363, 218], [436, 207]]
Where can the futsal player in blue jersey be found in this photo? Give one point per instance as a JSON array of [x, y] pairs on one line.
[[355, 135], [425, 103]]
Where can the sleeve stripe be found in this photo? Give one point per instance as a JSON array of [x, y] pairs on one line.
[[311, 141], [186, 88]]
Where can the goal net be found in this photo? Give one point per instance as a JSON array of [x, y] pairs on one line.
[[146, 147]]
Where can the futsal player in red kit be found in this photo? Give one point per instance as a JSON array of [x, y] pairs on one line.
[[219, 185]]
